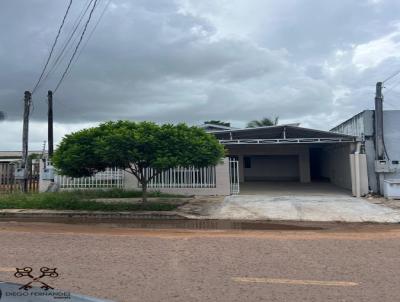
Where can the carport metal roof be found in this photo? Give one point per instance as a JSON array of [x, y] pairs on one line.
[[282, 134]]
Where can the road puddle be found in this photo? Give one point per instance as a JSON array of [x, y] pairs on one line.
[[189, 224]]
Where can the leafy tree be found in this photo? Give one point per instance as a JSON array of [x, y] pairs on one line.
[[218, 122], [134, 147], [263, 122], [2, 116]]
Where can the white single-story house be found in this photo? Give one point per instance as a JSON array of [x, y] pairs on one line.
[[289, 153], [273, 157], [260, 160]]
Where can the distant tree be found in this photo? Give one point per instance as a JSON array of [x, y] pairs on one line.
[[218, 122], [263, 122], [2, 116], [134, 147]]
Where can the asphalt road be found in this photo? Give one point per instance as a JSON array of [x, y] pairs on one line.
[[122, 264]]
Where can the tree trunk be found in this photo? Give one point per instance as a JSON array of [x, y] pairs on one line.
[[144, 191]]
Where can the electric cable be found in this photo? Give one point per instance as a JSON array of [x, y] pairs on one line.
[[60, 56], [93, 30], [391, 88], [52, 47], [391, 76], [77, 46]]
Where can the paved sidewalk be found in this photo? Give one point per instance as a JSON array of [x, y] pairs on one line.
[[303, 208], [322, 208]]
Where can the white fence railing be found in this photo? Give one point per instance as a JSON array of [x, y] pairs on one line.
[[111, 178], [181, 177]]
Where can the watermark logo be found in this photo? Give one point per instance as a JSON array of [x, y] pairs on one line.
[[45, 273], [36, 286]]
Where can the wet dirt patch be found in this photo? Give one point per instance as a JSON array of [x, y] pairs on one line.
[[189, 224], [204, 224]]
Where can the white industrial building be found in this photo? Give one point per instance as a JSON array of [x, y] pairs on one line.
[[383, 172]]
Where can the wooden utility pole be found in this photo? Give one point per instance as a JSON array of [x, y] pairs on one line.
[[50, 123], [25, 136]]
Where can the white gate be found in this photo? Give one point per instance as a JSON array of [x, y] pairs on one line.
[[234, 175], [183, 177]]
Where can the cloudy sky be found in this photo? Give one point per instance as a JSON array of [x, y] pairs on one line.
[[309, 61]]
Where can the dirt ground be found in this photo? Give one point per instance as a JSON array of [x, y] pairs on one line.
[[336, 263], [391, 203]]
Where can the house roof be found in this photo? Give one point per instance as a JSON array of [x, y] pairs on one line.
[[279, 134], [16, 153], [10, 156], [215, 127]]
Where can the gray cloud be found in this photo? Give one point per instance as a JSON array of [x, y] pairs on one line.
[[307, 61]]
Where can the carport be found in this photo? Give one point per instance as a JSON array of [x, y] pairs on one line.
[[288, 159]]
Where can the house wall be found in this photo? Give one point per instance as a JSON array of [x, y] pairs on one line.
[[222, 183], [273, 167], [359, 125], [300, 151], [391, 131], [335, 165]]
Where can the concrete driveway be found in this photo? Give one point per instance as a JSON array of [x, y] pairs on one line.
[[303, 208]]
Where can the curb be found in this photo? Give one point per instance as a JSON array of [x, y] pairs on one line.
[[97, 215]]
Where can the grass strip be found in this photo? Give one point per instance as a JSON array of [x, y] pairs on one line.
[[80, 200]]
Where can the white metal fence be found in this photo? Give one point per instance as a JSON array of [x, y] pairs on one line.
[[111, 178], [181, 177], [234, 175]]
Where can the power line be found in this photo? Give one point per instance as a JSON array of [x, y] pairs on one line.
[[391, 88], [77, 46], [94, 29], [392, 76], [66, 43], [395, 92], [52, 47]]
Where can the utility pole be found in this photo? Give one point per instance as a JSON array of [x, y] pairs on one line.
[[379, 143], [50, 123], [379, 122], [25, 135]]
